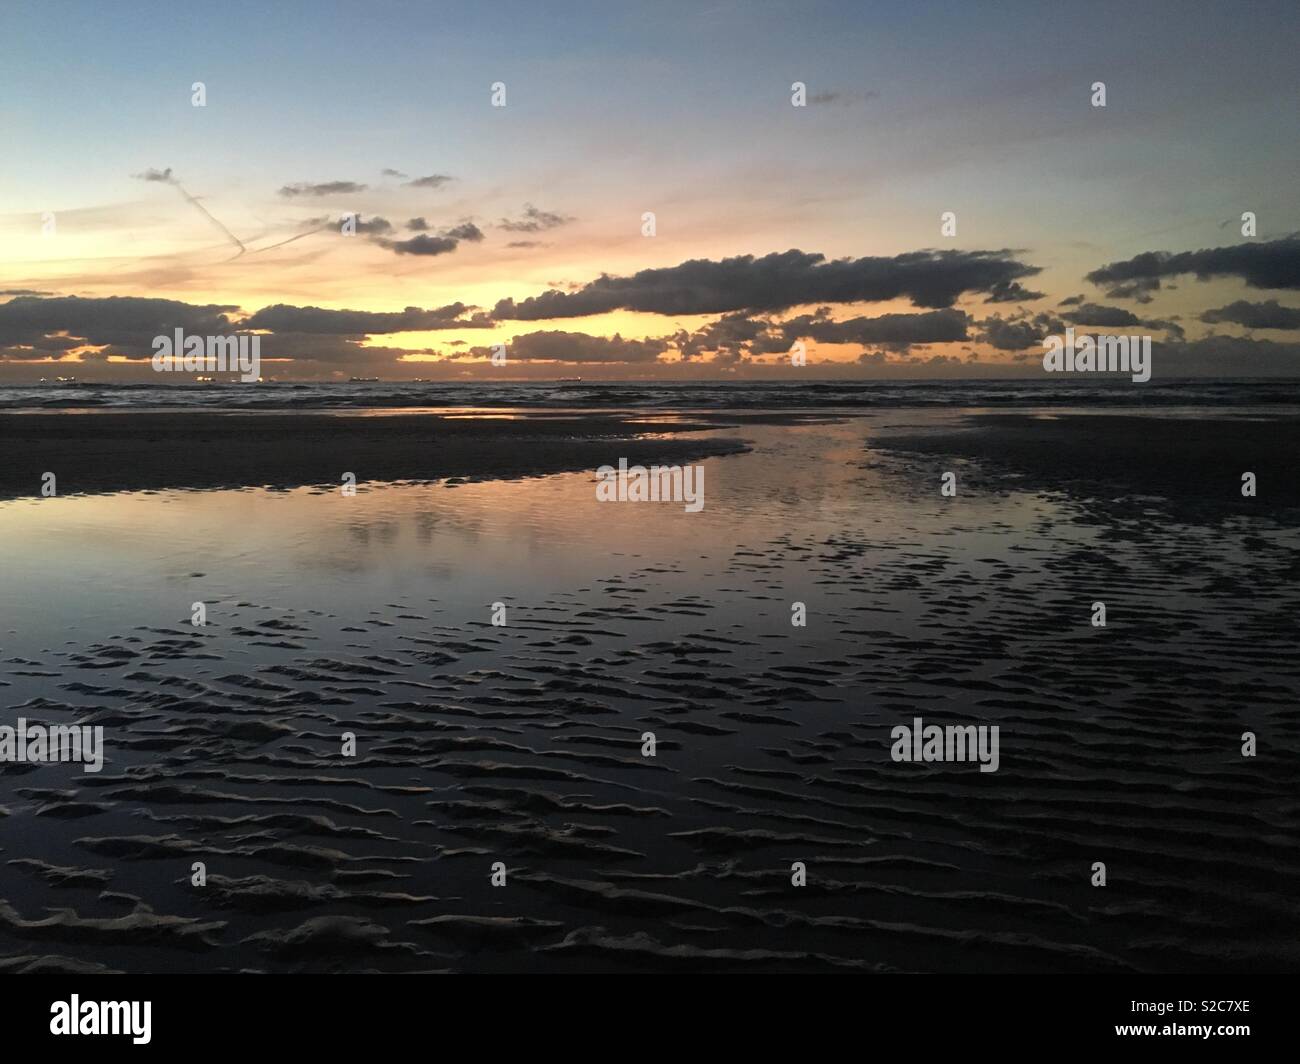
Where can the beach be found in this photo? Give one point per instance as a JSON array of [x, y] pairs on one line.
[[514, 752], [101, 451], [1191, 465]]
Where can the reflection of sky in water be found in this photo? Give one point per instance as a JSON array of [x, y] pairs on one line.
[[808, 515], [81, 568], [632, 616]]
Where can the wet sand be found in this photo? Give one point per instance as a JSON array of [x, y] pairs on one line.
[[1190, 464], [522, 744], [135, 451]]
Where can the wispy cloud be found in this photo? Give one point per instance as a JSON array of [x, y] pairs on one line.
[[324, 188], [431, 181], [534, 221]]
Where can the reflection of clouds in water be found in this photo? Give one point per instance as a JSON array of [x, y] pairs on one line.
[[808, 478], [372, 614]]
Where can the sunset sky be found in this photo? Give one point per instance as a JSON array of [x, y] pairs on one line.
[[774, 223]]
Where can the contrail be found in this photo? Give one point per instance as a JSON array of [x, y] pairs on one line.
[[272, 247], [165, 176], [208, 215]]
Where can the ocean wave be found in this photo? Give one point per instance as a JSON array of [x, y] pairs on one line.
[[710, 395]]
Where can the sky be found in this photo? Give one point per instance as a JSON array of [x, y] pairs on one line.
[[127, 211]]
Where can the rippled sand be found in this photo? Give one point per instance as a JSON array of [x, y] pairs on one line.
[[522, 744]]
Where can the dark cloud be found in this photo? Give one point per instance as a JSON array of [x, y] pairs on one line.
[[23, 292], [1270, 264], [761, 336], [1173, 331], [931, 279], [422, 245], [934, 327], [758, 336], [151, 174], [388, 171], [534, 221], [127, 324], [57, 343], [732, 332], [1011, 292], [40, 349], [557, 346], [1139, 290], [1017, 334], [32, 328], [326, 350], [1268, 315], [526, 244], [729, 360], [465, 231], [1070, 301], [1104, 317], [374, 227], [327, 188], [282, 318], [432, 181]]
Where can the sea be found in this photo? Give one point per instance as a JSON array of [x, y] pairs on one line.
[[596, 395]]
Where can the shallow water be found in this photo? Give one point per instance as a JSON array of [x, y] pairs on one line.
[[522, 744]]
